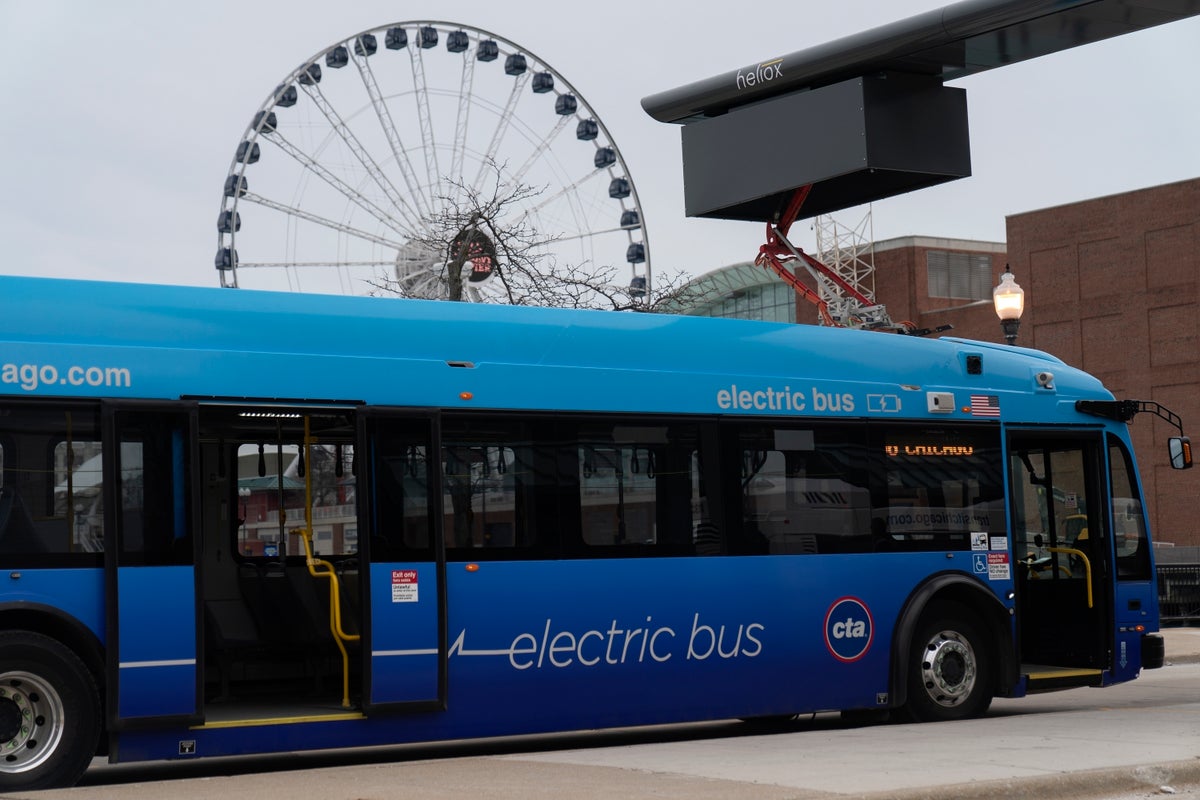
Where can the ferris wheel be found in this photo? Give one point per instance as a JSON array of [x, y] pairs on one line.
[[358, 160]]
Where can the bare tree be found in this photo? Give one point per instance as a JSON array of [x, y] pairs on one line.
[[482, 234]]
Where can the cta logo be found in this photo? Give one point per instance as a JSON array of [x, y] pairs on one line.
[[849, 629]]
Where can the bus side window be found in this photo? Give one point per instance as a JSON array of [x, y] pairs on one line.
[[938, 486], [494, 470], [707, 536], [804, 489], [401, 507], [17, 534], [1128, 520], [6, 497], [51, 500], [154, 526], [639, 489]]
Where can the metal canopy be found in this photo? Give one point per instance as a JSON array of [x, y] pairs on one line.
[[957, 40], [867, 117], [853, 142]]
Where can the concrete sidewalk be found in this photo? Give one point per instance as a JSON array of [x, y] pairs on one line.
[[1166, 778], [1183, 645]]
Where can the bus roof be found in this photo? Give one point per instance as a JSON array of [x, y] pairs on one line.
[[87, 338]]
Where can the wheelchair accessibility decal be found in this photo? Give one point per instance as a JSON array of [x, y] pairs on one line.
[[994, 565]]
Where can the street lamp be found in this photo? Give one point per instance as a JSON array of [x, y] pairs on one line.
[[1009, 299]]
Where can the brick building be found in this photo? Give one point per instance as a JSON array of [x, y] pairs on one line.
[[932, 282], [1112, 285]]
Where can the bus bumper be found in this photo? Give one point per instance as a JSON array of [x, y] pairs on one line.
[[1153, 651]]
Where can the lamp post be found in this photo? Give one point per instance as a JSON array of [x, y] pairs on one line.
[[1009, 299]]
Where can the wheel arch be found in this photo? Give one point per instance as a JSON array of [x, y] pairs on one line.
[[53, 622], [953, 588]]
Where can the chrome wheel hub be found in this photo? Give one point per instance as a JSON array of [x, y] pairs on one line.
[[948, 669], [31, 721]]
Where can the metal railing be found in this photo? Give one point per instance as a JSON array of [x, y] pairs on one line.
[[1179, 594]]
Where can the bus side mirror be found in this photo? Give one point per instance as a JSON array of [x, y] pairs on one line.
[[1180, 450]]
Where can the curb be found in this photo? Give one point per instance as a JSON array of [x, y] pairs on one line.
[[1190, 658], [1061, 786]]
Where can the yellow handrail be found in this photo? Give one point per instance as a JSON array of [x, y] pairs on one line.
[[326, 570], [1087, 566]]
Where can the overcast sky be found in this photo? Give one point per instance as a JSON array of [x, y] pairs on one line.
[[119, 118]]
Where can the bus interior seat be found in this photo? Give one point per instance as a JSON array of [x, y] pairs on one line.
[[283, 615], [232, 636], [311, 597], [707, 539], [18, 534], [255, 598], [794, 544], [281, 606]]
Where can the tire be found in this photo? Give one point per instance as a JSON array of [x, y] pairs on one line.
[[950, 670], [50, 715]]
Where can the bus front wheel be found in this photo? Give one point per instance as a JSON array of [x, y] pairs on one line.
[[949, 672], [49, 713]]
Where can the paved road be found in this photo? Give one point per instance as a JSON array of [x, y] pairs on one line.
[[1122, 742]]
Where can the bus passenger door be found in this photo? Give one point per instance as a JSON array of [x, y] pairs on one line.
[[1063, 557], [152, 643], [405, 647]]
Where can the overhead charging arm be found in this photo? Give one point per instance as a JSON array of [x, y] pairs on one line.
[[778, 251]]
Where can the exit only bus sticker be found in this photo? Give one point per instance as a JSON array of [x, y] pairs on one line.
[[404, 586]]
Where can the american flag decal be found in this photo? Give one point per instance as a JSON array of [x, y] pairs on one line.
[[985, 405]]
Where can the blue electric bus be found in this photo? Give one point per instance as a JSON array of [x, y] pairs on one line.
[[244, 522]]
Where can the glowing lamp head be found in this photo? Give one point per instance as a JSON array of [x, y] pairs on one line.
[[1008, 297]]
